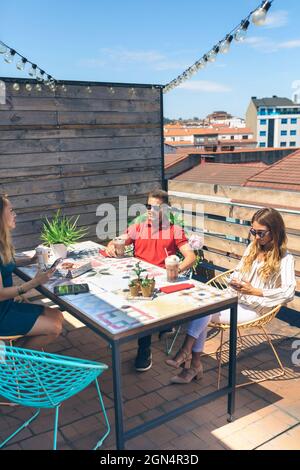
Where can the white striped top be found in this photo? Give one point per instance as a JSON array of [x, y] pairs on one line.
[[278, 289]]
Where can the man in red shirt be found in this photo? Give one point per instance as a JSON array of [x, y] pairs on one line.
[[152, 239]]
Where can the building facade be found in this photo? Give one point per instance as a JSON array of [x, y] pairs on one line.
[[275, 122]]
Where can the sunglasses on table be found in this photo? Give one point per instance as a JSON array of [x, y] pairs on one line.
[[260, 233]]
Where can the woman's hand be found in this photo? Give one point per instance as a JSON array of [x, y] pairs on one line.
[[42, 277], [246, 288]]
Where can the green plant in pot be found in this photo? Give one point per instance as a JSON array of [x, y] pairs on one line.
[[60, 233], [147, 286], [135, 284], [134, 288]]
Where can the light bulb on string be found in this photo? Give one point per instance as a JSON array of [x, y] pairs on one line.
[[9, 56], [111, 90], [32, 71], [241, 32], [63, 88], [39, 75], [16, 87], [38, 87], [88, 89], [3, 48], [212, 55], [225, 45], [21, 63], [28, 86], [259, 16]]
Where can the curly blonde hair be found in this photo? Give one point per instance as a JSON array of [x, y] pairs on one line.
[[273, 220], [6, 246]]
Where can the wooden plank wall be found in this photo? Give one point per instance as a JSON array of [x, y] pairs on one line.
[[219, 247], [74, 150]]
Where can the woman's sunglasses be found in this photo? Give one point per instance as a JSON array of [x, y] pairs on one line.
[[260, 233]]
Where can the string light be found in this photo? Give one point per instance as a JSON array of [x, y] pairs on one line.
[[111, 90], [16, 87], [258, 17], [34, 71], [28, 87]]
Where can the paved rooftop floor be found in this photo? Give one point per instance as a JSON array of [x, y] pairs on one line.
[[267, 414]]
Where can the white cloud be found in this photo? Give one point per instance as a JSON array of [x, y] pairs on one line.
[[205, 86], [266, 45], [119, 56], [292, 44], [277, 19]]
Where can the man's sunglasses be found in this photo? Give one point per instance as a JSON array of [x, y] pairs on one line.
[[154, 208], [260, 233]]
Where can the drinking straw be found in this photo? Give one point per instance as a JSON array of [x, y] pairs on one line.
[[166, 252]]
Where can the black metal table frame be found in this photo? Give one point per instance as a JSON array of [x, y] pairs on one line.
[[121, 435]]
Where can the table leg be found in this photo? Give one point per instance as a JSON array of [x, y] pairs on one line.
[[232, 362], [118, 400]]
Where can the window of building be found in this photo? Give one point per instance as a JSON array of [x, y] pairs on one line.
[[2, 92], [284, 121], [262, 144], [282, 144], [293, 132], [283, 133], [262, 111], [232, 137], [294, 121], [263, 133], [292, 144], [263, 122], [245, 137]]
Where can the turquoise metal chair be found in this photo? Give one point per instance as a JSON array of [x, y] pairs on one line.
[[42, 380]]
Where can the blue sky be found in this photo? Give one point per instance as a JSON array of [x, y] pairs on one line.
[[153, 41]]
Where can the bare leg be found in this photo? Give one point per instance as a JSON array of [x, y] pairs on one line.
[[45, 330]]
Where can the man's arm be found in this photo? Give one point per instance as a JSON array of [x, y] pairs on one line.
[[189, 257], [110, 248]]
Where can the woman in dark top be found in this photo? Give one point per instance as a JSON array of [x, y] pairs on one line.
[[40, 325]]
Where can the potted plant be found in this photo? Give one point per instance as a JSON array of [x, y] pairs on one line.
[[147, 286], [135, 284], [60, 233], [134, 287]]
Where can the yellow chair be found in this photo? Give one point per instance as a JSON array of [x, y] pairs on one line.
[[221, 282], [10, 340]]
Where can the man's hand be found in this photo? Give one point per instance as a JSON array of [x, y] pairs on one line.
[[110, 250]]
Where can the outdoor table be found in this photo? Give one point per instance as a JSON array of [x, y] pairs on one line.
[[108, 311]]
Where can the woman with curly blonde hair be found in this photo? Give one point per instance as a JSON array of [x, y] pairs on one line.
[[264, 278], [38, 324]]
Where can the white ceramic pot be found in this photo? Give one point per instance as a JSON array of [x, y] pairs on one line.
[[59, 250]]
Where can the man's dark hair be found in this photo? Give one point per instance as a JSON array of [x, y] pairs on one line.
[[160, 194]]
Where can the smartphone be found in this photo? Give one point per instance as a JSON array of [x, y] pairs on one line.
[[71, 289], [56, 263], [236, 284]]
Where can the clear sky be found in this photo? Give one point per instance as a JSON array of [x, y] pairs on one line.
[[152, 41]]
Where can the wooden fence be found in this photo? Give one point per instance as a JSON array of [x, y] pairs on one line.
[[76, 149], [226, 221]]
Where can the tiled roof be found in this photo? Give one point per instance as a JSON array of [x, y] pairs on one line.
[[272, 102], [219, 173], [177, 132], [283, 175]]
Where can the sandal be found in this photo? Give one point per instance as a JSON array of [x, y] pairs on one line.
[[181, 358], [187, 375]]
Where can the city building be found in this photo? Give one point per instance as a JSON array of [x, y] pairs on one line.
[[274, 121], [210, 139]]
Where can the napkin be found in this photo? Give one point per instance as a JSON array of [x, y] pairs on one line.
[[103, 253], [176, 288]]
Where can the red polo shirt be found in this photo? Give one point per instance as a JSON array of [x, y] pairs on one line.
[[150, 245]]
